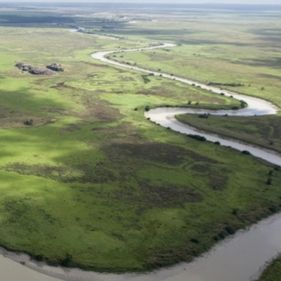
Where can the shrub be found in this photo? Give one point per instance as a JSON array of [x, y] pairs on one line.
[[66, 261], [145, 79], [229, 229], [270, 173], [39, 257], [243, 104], [197, 137], [269, 181], [28, 122], [204, 116], [147, 108], [234, 212], [194, 241]]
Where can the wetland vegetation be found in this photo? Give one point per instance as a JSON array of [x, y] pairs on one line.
[[89, 182], [272, 272]]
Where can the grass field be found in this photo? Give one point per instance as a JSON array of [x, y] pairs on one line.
[[273, 272], [245, 60], [247, 57], [263, 131], [94, 184]]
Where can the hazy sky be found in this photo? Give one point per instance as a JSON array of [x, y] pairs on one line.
[[159, 1]]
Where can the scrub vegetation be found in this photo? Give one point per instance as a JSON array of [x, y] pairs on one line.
[[272, 272], [263, 131], [87, 181]]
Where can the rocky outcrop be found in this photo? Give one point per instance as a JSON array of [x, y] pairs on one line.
[[23, 66], [55, 67], [40, 71], [49, 70]]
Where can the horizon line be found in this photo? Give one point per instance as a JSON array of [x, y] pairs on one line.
[[129, 2]]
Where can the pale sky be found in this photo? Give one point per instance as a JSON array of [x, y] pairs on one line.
[[156, 1]]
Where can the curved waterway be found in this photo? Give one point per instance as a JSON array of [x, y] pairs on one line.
[[166, 116], [238, 258]]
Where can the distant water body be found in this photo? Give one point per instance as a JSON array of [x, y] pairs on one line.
[[160, 7]]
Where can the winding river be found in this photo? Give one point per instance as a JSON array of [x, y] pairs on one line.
[[166, 116], [238, 258]]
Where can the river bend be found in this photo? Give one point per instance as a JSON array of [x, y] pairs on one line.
[[238, 258]]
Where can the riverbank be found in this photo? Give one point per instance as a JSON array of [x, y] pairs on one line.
[[272, 272]]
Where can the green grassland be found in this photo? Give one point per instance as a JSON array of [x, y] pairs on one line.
[[93, 183], [273, 272], [236, 49], [245, 59]]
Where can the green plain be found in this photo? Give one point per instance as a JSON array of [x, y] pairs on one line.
[[93, 183]]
